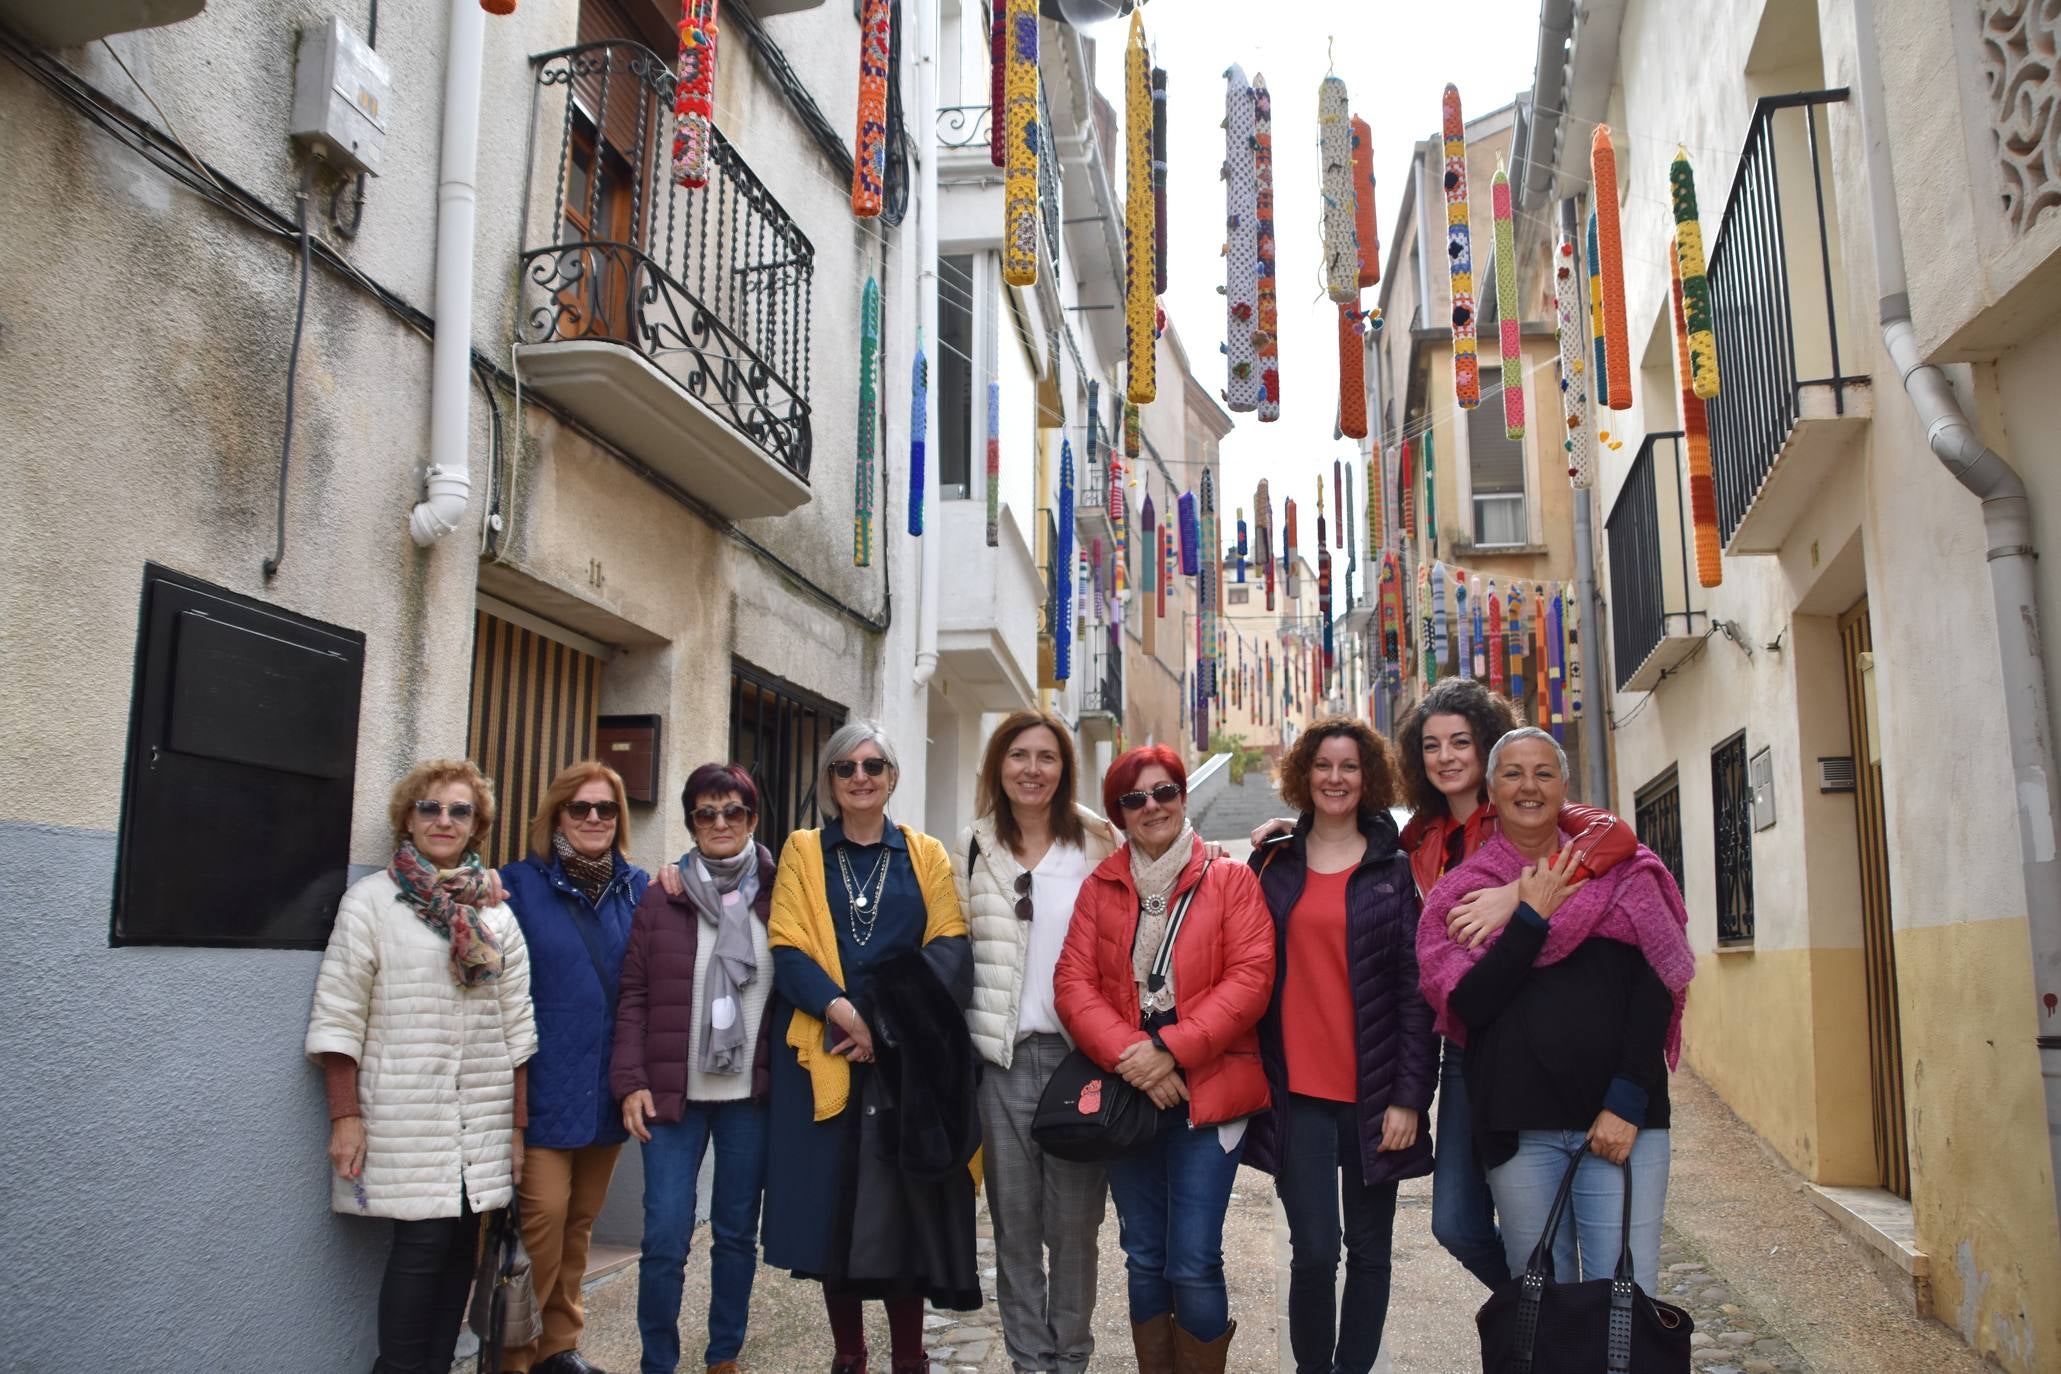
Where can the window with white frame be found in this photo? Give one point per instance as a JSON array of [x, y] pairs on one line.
[[953, 374]]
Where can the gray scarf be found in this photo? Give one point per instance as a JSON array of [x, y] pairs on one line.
[[723, 891]]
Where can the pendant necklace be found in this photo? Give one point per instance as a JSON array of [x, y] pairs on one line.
[[865, 908]]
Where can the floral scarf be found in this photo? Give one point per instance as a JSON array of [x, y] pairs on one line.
[[448, 901]]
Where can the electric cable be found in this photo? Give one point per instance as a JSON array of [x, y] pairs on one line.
[[293, 367]]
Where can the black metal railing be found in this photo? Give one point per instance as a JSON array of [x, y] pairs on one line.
[[1771, 271], [1657, 819], [1637, 541], [1103, 686], [1048, 177], [1048, 564], [713, 285], [1091, 493], [777, 734], [1731, 797], [965, 126]]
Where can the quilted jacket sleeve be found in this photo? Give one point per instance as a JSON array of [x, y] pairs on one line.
[[1098, 1027], [343, 988], [1211, 1023], [518, 1019], [626, 1073], [1603, 839]]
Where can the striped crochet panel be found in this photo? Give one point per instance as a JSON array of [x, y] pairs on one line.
[[1574, 379], [1617, 346], [1335, 144], [1241, 251], [1266, 342], [694, 94], [1508, 323], [1703, 360], [1020, 226], [1460, 254], [869, 161], [1141, 307]]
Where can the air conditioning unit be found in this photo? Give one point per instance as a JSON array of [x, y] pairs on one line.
[[1836, 774]]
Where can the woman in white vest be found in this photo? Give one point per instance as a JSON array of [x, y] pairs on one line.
[[422, 1025]]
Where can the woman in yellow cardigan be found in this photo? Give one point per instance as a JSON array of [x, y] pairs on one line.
[[849, 898]]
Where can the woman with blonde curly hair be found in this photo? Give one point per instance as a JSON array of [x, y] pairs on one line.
[[422, 1027], [1345, 915]]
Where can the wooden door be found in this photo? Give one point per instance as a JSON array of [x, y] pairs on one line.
[[1878, 947], [534, 703]]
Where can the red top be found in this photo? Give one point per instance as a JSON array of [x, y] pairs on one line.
[[1317, 1026], [1603, 839]]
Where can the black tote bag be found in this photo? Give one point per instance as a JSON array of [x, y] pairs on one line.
[[1536, 1325]]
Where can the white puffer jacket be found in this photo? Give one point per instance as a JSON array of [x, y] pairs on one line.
[[436, 1062], [1000, 941]]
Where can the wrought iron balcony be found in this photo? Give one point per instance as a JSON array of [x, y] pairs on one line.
[[675, 322], [1788, 411], [1047, 554], [1102, 686], [965, 134], [1654, 621], [965, 126]]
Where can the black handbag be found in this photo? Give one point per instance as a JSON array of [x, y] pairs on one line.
[[1536, 1325], [1088, 1113]]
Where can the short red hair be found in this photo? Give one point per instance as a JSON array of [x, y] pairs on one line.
[[1122, 776]]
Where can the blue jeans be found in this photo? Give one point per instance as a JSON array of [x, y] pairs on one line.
[[1323, 1140], [1170, 1203], [672, 1159], [1590, 1235], [1463, 1213]]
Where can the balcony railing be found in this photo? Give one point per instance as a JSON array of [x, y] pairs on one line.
[[1652, 621], [1048, 177], [1103, 686], [713, 286], [1775, 293], [965, 126]]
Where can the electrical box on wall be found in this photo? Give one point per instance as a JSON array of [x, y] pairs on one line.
[[340, 92], [1760, 776], [629, 744]]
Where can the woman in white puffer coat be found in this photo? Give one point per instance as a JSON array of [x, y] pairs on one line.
[[422, 1024], [1018, 868]]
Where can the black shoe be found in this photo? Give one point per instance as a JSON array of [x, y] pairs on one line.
[[566, 1362]]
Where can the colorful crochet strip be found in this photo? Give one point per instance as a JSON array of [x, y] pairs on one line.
[[1241, 251], [1263, 511], [919, 396], [1208, 571], [1141, 307], [1556, 669], [1335, 141], [1266, 343], [1617, 345], [1352, 376], [1191, 533], [1463, 627], [1291, 578], [1406, 479], [998, 84], [1159, 181], [694, 94], [1459, 255], [994, 463], [1571, 633], [1430, 472], [1710, 564], [1020, 226], [1513, 628], [1508, 323], [1366, 229], [1062, 633], [863, 476], [1541, 663], [1440, 585], [1495, 638], [1599, 386], [1703, 360], [1478, 636], [869, 164], [1133, 431], [1391, 619], [1574, 381], [1427, 662]]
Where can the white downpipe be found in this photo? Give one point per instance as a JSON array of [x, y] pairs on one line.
[[2007, 530], [448, 481], [929, 26]]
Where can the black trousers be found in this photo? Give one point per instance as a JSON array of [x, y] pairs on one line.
[[422, 1298]]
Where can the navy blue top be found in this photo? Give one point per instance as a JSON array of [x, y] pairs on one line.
[[901, 918]]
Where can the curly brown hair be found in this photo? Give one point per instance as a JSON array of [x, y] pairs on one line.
[[1489, 717], [434, 773], [1377, 767]]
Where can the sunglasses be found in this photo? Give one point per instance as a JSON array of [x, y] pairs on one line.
[[729, 815], [874, 767], [461, 812], [580, 810], [1163, 793], [1023, 900]]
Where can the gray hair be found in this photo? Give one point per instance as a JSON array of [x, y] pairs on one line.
[[1524, 732], [840, 745]]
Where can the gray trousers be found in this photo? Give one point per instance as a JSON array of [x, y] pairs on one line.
[[1039, 1205]]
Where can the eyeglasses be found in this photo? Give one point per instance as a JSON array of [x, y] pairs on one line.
[[874, 767], [580, 810], [1024, 910], [461, 812], [729, 815], [1163, 793]]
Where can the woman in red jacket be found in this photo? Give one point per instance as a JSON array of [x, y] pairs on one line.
[[1179, 1026]]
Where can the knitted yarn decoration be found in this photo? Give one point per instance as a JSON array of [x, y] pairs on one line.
[[1020, 226], [1574, 380], [694, 94], [1335, 144], [1703, 519], [869, 161], [865, 471], [1617, 345], [1459, 254], [1266, 343], [1141, 307], [1703, 360], [1366, 229], [1241, 251], [1508, 323]]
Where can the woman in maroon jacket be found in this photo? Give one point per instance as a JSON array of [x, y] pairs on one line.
[[1181, 1031], [1348, 1044], [693, 1062]]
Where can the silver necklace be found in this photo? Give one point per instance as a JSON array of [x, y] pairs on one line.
[[865, 910]]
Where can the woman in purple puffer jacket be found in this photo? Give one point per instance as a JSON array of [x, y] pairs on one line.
[[1345, 915], [693, 1062]]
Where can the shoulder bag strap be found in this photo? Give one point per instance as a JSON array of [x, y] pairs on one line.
[[572, 912], [1164, 960]]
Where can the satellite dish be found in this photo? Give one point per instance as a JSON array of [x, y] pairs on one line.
[[1083, 14]]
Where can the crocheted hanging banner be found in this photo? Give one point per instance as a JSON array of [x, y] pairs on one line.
[[1366, 229], [1478, 635], [1703, 360], [1159, 181], [1263, 512], [694, 94], [1427, 664], [1266, 342], [1208, 571], [1617, 345], [1241, 245], [1570, 630], [869, 162], [1141, 307], [1335, 144], [1020, 146], [994, 463], [1459, 254], [1291, 579], [1513, 630], [1599, 387], [1507, 321], [998, 83], [1441, 582], [1495, 638], [864, 476], [1191, 533], [1463, 627], [919, 400], [1710, 565], [1062, 638], [1574, 381]]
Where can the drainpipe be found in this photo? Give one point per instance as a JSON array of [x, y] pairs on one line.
[[1595, 740], [2007, 530], [930, 561], [448, 482]]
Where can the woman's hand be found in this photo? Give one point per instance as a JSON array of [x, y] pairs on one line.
[[1611, 1136], [1398, 1128], [859, 1048], [669, 878], [1144, 1066], [1280, 825], [637, 1109], [1544, 886], [1481, 914], [347, 1146], [515, 1156], [1168, 1091]]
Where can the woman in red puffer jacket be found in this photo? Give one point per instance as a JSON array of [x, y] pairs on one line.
[[1181, 1030]]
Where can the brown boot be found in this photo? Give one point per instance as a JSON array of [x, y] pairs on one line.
[[1154, 1342], [723, 1367], [1195, 1357]]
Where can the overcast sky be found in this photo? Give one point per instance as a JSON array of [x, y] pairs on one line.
[[1395, 59]]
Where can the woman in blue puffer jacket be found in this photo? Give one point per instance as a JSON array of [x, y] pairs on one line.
[[573, 896]]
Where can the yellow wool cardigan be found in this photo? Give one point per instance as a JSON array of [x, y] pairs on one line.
[[801, 920]]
